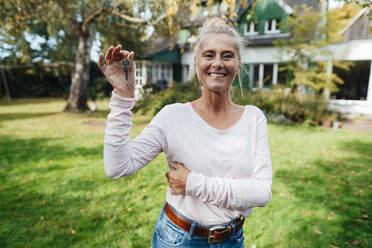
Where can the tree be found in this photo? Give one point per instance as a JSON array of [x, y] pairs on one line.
[[311, 32], [362, 3], [66, 30]]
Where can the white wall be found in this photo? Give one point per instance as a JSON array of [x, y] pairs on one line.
[[352, 50], [352, 107]]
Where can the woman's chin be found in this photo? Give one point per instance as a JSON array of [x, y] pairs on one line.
[[216, 87]]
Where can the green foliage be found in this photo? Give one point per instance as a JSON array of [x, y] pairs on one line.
[[101, 88], [35, 82], [309, 38], [306, 109], [297, 108], [26, 80], [152, 88], [362, 3], [54, 192], [178, 92]]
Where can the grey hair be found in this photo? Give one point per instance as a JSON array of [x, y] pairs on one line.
[[216, 25]]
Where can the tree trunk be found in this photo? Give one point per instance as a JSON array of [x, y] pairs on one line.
[[78, 96]]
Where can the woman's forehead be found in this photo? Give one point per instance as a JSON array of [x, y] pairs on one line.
[[218, 42]]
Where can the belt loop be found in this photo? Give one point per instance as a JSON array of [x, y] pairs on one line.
[[191, 231], [233, 228]]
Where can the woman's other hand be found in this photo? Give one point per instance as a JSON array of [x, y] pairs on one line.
[[177, 178], [114, 72]]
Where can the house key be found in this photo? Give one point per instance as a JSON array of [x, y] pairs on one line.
[[125, 63]]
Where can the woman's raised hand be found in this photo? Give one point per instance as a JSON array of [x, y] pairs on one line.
[[114, 72]]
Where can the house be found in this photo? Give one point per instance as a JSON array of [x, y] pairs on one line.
[[355, 95], [262, 59]]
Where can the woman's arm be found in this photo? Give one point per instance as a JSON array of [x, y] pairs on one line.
[[121, 155], [239, 193]]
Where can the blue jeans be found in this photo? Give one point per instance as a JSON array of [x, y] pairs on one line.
[[166, 235]]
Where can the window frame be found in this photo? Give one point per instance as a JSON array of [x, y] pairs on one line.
[[251, 28], [273, 24]]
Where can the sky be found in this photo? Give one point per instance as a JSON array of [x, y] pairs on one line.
[[334, 4]]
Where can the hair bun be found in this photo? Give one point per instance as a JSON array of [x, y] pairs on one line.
[[214, 22]]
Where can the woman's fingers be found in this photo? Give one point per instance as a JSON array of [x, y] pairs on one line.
[[176, 165], [130, 57], [101, 61], [123, 54], [116, 53], [108, 56]]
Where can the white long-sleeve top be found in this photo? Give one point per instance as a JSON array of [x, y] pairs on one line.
[[230, 169]]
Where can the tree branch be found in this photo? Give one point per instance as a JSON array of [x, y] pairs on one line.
[[138, 20], [91, 18], [60, 10], [129, 18]]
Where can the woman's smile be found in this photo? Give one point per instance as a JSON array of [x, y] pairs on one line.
[[217, 75]]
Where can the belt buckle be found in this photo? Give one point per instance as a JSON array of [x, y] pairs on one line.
[[212, 230]]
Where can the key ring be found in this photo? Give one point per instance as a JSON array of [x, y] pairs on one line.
[[125, 63]]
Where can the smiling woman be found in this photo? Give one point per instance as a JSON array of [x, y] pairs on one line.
[[217, 64], [217, 151]]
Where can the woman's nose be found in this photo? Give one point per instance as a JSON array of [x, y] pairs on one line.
[[217, 63]]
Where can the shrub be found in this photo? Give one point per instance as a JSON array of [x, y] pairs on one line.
[[306, 109], [151, 88], [101, 87], [177, 92], [299, 108]]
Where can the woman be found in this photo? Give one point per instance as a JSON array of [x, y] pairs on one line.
[[217, 151]]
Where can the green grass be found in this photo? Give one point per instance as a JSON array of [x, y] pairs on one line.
[[54, 192]]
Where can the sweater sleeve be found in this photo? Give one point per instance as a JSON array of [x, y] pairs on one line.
[[122, 156], [239, 193]]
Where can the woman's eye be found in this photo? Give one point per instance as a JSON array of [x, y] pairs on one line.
[[209, 55], [228, 56]]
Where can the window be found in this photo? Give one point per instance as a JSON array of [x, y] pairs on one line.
[[250, 28], [272, 26], [156, 72], [139, 69], [162, 72], [169, 68], [148, 76]]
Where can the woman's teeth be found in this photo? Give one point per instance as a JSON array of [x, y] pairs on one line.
[[217, 75]]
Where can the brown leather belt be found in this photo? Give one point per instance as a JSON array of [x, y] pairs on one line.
[[214, 235]]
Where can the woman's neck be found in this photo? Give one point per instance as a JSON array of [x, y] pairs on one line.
[[215, 102]]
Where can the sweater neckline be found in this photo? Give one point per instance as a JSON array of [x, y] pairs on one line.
[[210, 126]]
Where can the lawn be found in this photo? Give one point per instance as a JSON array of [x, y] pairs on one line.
[[54, 192]]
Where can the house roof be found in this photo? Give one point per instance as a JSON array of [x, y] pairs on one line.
[[165, 50], [287, 5], [292, 3], [266, 40], [284, 5], [361, 14]]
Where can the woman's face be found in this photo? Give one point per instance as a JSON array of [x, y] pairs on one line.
[[217, 62]]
